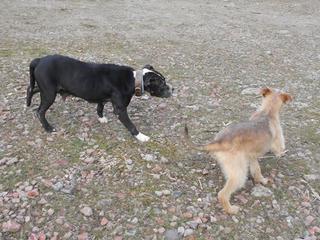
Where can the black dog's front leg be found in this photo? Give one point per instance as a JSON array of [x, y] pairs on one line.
[[124, 118]]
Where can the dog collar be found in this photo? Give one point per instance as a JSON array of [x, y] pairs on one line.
[[139, 86]]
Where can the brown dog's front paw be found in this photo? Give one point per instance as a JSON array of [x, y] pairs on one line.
[[280, 154]]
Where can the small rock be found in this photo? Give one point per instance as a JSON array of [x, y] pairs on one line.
[[11, 226], [87, 211], [171, 234], [228, 230], [261, 191], [104, 221]]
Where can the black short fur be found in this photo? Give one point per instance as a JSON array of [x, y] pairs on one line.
[[96, 83]]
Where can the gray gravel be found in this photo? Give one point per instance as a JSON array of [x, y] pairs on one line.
[[94, 181]]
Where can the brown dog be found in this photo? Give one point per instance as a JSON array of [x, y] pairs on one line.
[[238, 147]]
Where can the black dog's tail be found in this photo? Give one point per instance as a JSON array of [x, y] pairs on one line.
[[31, 90]]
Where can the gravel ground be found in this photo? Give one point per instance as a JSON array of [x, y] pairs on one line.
[[94, 181]]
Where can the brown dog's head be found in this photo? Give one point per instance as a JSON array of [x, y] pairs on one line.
[[273, 99]]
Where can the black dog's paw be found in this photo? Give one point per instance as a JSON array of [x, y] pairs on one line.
[[50, 129]]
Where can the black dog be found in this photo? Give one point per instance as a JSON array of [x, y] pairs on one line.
[[96, 83]]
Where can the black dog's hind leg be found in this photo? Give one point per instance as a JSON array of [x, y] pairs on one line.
[[31, 90], [101, 118], [100, 107], [46, 102], [30, 93]]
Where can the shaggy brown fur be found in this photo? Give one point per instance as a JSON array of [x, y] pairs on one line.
[[238, 147]]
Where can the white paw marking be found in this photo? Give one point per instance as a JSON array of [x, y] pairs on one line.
[[142, 138], [103, 120]]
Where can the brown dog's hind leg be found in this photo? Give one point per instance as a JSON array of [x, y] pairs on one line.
[[236, 173], [256, 172]]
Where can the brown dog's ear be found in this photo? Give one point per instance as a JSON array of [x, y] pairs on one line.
[[265, 91], [285, 97]]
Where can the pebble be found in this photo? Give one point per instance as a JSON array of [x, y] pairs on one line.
[[261, 191], [87, 211]]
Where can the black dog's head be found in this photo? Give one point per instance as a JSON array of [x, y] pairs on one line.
[[155, 83]]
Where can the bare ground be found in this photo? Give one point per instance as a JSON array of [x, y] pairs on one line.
[[210, 51]]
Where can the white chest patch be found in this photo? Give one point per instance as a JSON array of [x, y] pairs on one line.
[[142, 138]]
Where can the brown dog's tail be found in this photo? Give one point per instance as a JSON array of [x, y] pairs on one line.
[[211, 147]]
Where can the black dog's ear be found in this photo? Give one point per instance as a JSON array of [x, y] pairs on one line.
[[148, 67]]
